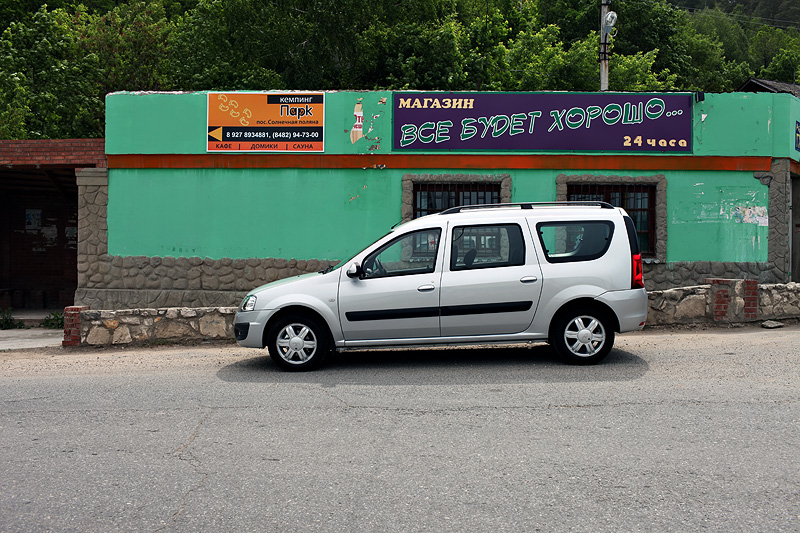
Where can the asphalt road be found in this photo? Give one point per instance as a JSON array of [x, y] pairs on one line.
[[675, 431]]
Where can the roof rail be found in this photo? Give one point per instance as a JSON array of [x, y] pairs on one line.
[[524, 205]]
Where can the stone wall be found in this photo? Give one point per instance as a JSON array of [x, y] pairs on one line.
[[724, 302], [156, 325], [719, 302], [139, 282], [659, 276]]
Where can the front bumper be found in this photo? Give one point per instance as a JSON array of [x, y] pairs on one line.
[[248, 328], [241, 330]]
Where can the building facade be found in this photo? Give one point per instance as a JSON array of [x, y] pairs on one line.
[[208, 194]]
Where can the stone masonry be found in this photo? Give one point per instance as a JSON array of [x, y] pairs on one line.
[[719, 302], [155, 325]]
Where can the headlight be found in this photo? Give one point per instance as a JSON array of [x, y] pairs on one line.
[[249, 303]]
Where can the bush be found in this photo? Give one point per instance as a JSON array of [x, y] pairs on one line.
[[7, 320], [54, 320]]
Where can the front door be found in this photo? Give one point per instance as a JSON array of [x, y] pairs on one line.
[[397, 296]]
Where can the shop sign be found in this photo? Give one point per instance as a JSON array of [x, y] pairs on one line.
[[266, 122], [580, 122], [797, 136]]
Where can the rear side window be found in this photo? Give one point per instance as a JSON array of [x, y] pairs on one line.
[[565, 242], [487, 246]]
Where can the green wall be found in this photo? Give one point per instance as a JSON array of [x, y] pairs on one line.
[[241, 213], [716, 216], [731, 124], [711, 215], [746, 124], [176, 123], [328, 214]]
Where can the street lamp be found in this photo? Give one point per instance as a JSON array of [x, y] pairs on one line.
[[607, 20]]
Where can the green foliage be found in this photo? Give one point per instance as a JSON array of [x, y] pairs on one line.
[[7, 320], [766, 44], [706, 69], [485, 60], [230, 45], [784, 67], [635, 73], [430, 58], [50, 88], [717, 25], [130, 42], [536, 59], [57, 62], [54, 320]]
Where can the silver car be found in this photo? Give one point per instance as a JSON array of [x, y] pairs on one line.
[[566, 273]]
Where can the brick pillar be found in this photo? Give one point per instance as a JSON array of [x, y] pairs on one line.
[[72, 325], [750, 290], [720, 298], [733, 300]]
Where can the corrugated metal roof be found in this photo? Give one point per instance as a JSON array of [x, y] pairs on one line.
[[757, 85]]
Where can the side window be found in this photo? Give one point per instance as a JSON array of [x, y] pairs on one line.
[[565, 242], [487, 246], [413, 253]]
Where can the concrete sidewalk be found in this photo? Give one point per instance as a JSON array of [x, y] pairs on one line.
[[15, 339], [31, 336]]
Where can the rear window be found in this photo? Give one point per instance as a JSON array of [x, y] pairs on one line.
[[565, 242]]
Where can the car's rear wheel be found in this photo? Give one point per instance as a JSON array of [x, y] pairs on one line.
[[298, 343], [582, 337]]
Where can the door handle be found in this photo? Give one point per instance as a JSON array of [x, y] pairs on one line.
[[426, 288], [529, 279]]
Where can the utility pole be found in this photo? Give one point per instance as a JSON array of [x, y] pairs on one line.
[[607, 20]]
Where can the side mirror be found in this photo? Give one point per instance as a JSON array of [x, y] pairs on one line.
[[355, 270]]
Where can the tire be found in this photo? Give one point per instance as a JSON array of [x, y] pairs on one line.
[[582, 337], [298, 343]]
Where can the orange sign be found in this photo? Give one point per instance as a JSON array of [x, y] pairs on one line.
[[266, 122]]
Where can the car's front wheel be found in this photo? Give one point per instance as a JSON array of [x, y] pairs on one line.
[[582, 337], [298, 343]]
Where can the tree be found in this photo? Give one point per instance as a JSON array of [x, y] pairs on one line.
[[50, 87], [785, 67], [716, 24], [635, 73], [536, 59], [131, 44], [766, 44], [430, 58], [229, 45], [485, 59]]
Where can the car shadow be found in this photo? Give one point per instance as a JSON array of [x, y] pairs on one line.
[[442, 366]]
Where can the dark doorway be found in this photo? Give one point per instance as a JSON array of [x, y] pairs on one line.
[[38, 237]]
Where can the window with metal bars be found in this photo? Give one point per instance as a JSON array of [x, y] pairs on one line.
[[432, 198], [639, 201]]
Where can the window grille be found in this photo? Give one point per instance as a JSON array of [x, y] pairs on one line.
[[432, 198], [639, 201]]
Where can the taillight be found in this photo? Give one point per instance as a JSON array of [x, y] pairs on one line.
[[637, 280]]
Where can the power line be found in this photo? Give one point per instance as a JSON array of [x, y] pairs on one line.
[[747, 19]]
